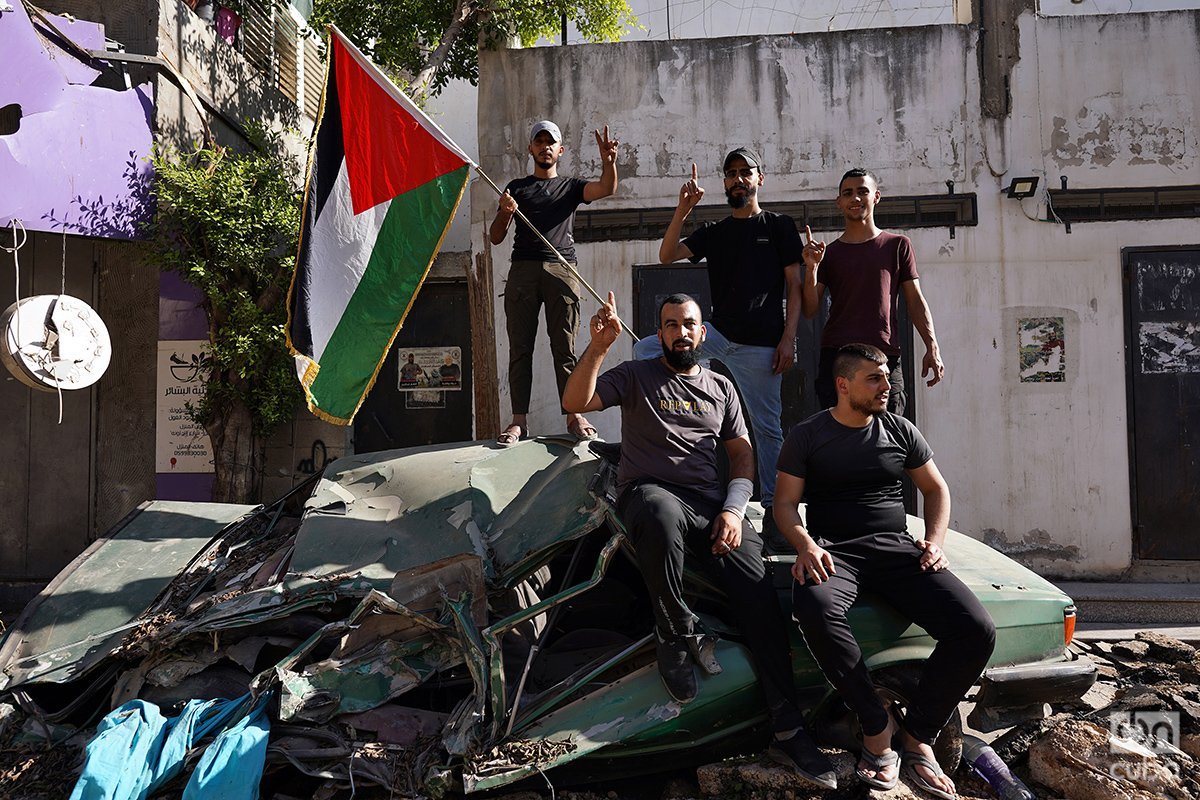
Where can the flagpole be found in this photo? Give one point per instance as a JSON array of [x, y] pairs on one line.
[[553, 249]]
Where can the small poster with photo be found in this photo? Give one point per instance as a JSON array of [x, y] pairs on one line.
[[422, 369]]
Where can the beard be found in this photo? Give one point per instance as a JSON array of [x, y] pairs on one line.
[[742, 200], [681, 360], [870, 407], [544, 164]]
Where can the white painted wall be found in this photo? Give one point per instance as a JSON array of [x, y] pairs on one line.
[[455, 112], [703, 19], [1040, 470], [1074, 8]]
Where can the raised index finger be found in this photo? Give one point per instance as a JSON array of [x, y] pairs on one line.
[[695, 174], [808, 233], [612, 301]]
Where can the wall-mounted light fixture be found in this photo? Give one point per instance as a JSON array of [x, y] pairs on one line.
[[1021, 188]]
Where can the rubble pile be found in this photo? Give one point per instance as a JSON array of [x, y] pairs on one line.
[[1136, 736]]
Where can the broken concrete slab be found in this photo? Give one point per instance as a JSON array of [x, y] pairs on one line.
[[1165, 648], [1083, 761], [1130, 650]]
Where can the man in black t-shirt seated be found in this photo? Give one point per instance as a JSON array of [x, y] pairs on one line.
[[675, 417], [536, 277], [847, 463]]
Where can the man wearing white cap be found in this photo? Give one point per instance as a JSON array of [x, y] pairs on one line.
[[536, 277]]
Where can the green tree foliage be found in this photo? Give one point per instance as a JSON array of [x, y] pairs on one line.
[[228, 223], [430, 42]]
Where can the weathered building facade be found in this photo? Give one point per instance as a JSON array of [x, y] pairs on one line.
[[168, 78], [1054, 334]]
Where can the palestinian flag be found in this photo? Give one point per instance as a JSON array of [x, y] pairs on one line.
[[383, 185]]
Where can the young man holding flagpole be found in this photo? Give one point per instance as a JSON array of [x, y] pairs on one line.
[[538, 275]]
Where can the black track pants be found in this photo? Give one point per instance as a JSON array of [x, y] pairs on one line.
[[888, 564]]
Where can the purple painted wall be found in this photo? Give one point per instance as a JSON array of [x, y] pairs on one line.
[[180, 315], [79, 158]]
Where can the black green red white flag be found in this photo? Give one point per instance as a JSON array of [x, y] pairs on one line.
[[382, 187]]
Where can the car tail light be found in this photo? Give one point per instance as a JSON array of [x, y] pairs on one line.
[[1068, 625]]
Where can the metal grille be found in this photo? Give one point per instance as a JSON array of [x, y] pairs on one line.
[[289, 54], [925, 211], [256, 37], [314, 74], [1098, 205], [286, 45]]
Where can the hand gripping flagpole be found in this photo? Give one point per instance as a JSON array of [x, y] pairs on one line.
[[417, 110], [553, 249]]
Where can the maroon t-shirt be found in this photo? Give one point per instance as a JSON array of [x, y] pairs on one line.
[[863, 281]]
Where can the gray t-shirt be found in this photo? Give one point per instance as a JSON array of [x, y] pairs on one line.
[[671, 424]]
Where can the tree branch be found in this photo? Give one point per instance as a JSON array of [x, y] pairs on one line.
[[464, 11]]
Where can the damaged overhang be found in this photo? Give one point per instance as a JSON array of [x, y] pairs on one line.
[[74, 157]]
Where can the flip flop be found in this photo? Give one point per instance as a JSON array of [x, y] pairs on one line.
[[912, 760], [508, 438], [581, 429], [878, 763]]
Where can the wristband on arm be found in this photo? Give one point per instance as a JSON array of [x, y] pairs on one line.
[[737, 495]]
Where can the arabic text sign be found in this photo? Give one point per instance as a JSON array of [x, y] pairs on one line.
[[181, 445]]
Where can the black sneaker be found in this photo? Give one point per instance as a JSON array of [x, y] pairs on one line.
[[801, 754], [676, 669], [774, 543]]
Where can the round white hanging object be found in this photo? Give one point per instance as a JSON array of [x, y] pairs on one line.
[[54, 341]]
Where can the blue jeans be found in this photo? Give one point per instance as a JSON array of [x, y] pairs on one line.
[[760, 388]]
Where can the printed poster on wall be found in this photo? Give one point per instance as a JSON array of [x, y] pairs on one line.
[[424, 368], [181, 445]]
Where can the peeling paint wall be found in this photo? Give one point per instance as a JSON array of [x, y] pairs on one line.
[[1039, 468]]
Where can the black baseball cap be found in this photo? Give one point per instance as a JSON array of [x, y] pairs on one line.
[[751, 158]]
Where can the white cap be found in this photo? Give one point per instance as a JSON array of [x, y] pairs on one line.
[[545, 125]]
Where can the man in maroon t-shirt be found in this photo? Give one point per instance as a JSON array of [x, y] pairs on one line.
[[865, 269]]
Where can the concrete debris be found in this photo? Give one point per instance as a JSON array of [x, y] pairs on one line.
[[1130, 650], [1083, 761], [1164, 648], [761, 779]]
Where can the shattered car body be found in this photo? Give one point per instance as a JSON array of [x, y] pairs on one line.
[[454, 617]]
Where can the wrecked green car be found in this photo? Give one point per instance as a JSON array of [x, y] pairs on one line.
[[457, 618]]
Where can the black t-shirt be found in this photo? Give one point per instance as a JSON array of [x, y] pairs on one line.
[[746, 259], [550, 205], [852, 475]]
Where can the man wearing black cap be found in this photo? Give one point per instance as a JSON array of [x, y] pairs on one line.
[[755, 277], [536, 277]]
